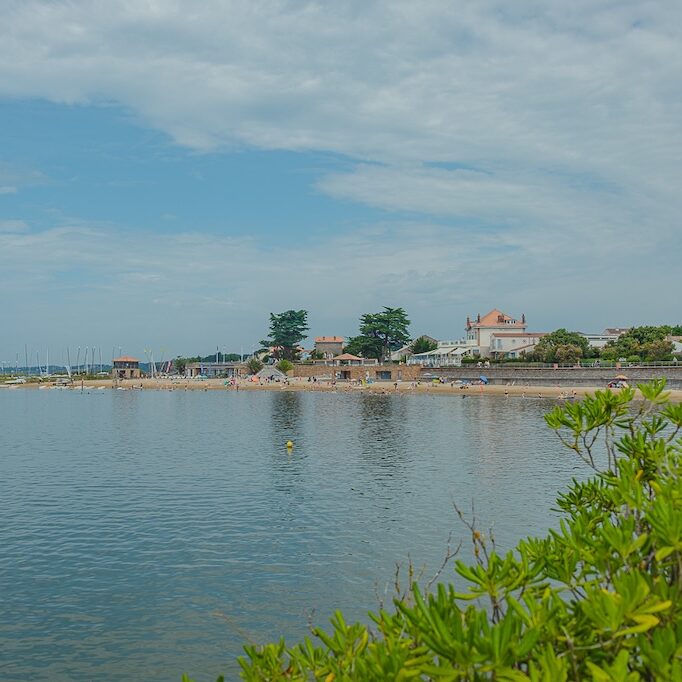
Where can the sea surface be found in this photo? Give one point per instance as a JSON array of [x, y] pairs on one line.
[[144, 534]]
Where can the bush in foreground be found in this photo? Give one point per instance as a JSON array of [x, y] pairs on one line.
[[597, 599]]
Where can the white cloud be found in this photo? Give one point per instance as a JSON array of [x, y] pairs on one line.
[[13, 226], [580, 94], [194, 290], [539, 143], [8, 189]]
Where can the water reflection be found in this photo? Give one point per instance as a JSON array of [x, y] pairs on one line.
[[382, 432], [130, 519]]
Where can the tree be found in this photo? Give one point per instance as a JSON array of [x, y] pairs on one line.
[[363, 346], [380, 333], [637, 340], [181, 363], [287, 330], [423, 345], [568, 353], [254, 365], [598, 599], [657, 350], [284, 366], [546, 349]]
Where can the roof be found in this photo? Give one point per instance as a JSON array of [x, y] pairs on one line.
[[125, 358], [347, 356], [516, 350], [496, 317], [445, 350], [519, 335], [329, 339]]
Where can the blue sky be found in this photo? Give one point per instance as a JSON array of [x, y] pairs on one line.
[[168, 177]]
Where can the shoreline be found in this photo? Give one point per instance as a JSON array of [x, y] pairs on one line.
[[299, 384]]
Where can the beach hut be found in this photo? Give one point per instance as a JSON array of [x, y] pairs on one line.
[[126, 367]]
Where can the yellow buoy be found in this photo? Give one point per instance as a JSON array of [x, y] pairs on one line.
[[290, 444]]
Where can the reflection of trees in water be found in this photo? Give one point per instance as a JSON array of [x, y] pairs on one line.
[[383, 431], [286, 423], [286, 412]]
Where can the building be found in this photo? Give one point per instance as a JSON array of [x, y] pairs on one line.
[[480, 330], [213, 370], [126, 367], [677, 343], [348, 359], [443, 356], [406, 351], [329, 346], [600, 340], [513, 344]]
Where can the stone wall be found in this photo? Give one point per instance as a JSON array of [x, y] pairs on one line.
[[389, 372], [563, 376]]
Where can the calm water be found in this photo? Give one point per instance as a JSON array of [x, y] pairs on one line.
[[143, 534]]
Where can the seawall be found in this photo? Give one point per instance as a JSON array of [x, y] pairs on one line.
[[562, 376]]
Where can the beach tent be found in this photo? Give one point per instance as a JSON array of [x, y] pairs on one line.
[[271, 373]]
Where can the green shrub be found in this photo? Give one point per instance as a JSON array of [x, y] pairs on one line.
[[254, 365], [597, 599], [284, 366]]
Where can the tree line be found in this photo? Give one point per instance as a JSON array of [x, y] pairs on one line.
[[382, 333], [646, 343]]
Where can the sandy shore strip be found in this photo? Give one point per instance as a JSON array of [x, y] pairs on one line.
[[300, 384]]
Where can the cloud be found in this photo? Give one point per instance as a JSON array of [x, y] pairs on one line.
[[527, 154], [191, 291], [8, 189], [13, 226], [531, 97]]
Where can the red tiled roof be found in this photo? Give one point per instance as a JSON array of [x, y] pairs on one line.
[[347, 356], [125, 358], [329, 339], [495, 318], [519, 335]]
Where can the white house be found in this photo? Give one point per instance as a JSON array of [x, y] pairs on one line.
[[600, 340], [480, 330], [513, 344]]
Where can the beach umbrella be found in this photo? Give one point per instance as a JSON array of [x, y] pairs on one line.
[[621, 377], [483, 378]]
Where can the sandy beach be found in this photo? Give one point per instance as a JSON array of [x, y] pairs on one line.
[[301, 384]]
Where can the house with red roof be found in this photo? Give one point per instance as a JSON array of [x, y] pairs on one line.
[[329, 346], [480, 329], [126, 367]]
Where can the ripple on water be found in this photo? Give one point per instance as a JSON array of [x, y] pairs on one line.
[[147, 533]]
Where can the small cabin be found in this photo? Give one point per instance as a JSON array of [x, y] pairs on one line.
[[126, 368]]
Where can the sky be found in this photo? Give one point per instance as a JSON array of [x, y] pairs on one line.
[[171, 173]]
